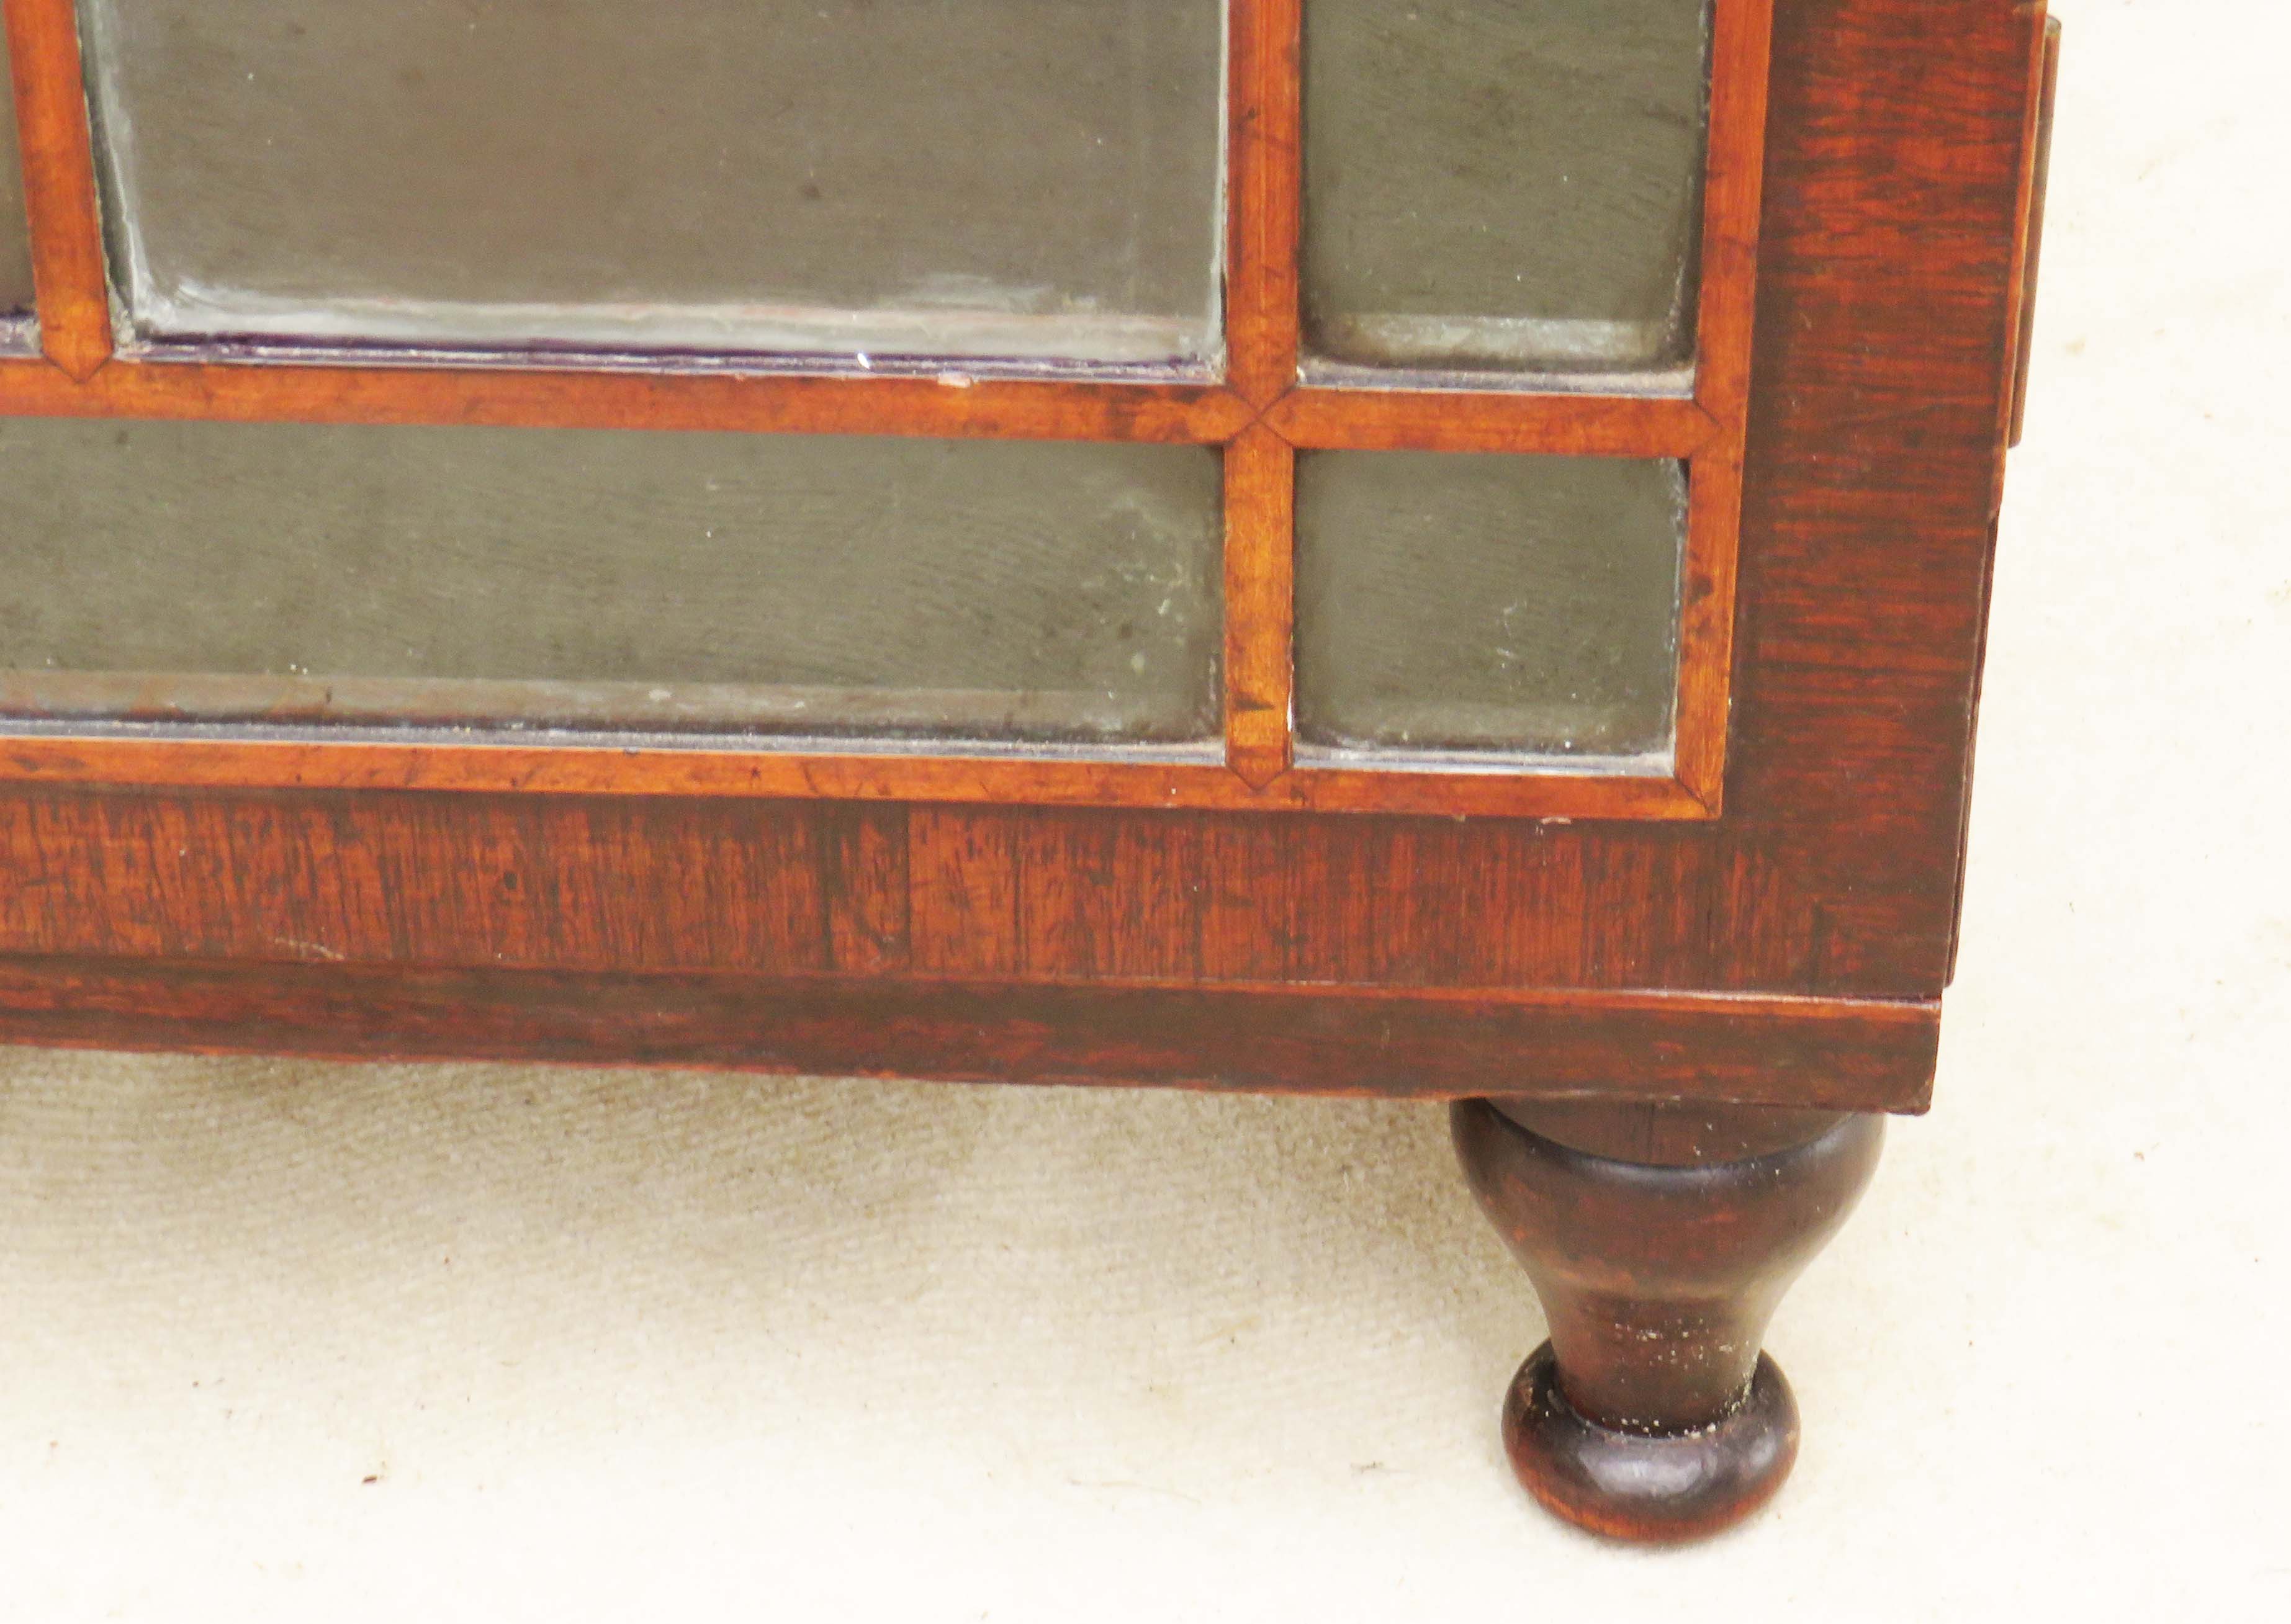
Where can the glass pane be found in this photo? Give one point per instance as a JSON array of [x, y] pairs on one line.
[[1510, 186], [15, 231], [1526, 604], [1024, 178], [600, 579]]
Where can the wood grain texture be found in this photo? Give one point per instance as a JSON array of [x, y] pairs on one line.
[[571, 881], [1894, 174], [1391, 1045], [1733, 196], [1260, 592], [1741, 51], [68, 264], [1456, 420], [1651, 1414], [1264, 182], [952, 404], [1707, 586], [821, 771]]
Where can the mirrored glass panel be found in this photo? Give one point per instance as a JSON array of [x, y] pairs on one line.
[[609, 580], [885, 178], [1510, 187], [15, 230], [1517, 605]]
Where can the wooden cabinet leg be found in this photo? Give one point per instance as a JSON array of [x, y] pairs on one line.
[[1660, 1238]]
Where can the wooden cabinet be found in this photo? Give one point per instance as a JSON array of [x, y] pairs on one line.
[[1433, 551]]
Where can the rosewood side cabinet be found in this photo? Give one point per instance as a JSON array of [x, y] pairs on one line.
[[1313, 546]]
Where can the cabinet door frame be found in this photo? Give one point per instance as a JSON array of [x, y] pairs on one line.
[[208, 895], [1259, 414]]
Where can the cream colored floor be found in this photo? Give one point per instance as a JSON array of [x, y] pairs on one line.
[[294, 1341]]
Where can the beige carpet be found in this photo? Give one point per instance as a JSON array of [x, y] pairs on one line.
[[290, 1341]]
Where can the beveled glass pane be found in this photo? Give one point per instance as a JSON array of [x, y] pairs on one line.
[[603, 579], [974, 178], [1506, 187], [1521, 605], [15, 230]]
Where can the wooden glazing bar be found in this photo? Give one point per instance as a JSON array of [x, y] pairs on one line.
[[1733, 196], [1264, 190], [1733, 192], [1705, 630], [1260, 527], [777, 403], [68, 275], [616, 769], [1443, 420], [1265, 200]]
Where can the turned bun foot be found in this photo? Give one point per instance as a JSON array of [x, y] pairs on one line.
[[1653, 1487], [1660, 1240]]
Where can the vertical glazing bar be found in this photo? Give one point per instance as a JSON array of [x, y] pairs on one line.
[[1741, 40], [1706, 631], [1260, 506], [1264, 193], [68, 266]]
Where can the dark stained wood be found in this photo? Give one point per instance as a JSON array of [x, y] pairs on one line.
[[67, 266], [1652, 1414], [2037, 47], [1849, 1055], [1892, 189], [1892, 176], [864, 889], [1666, 1002], [963, 900], [1666, 1133], [1649, 1488]]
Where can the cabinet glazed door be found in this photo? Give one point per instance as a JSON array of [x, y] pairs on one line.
[[1307, 544], [1137, 402]]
